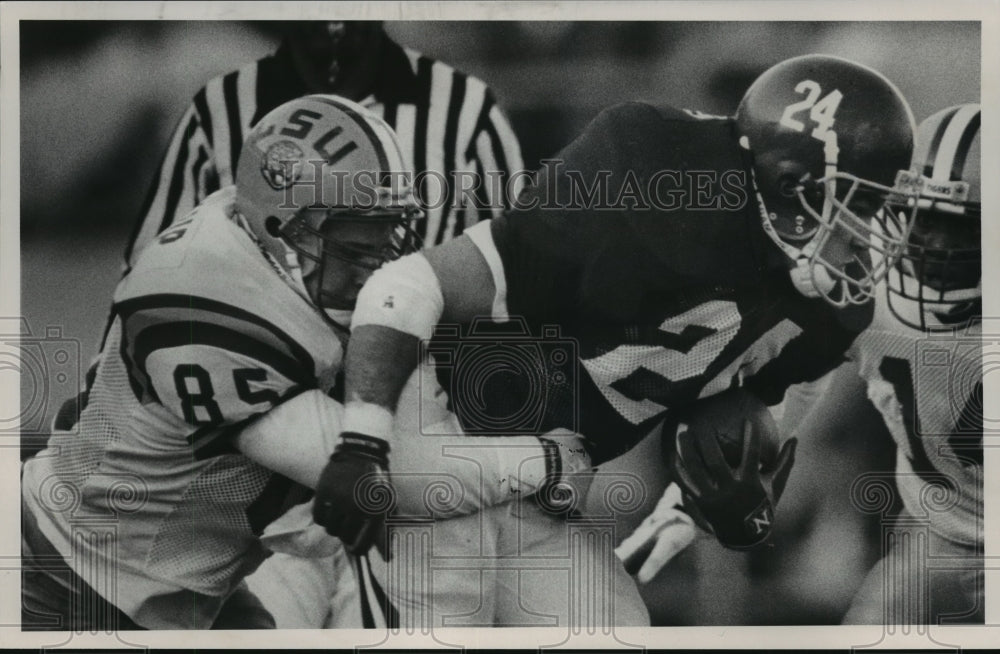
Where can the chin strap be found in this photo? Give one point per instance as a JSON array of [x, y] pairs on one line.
[[810, 279], [802, 275], [915, 305], [831, 153]]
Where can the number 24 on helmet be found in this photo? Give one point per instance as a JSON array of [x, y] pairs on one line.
[[828, 138]]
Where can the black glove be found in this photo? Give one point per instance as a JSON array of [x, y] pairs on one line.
[[735, 503], [354, 492]]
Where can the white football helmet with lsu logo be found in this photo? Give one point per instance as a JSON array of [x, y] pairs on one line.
[[937, 284], [312, 166]]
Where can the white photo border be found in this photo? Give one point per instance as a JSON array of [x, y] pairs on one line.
[[666, 637]]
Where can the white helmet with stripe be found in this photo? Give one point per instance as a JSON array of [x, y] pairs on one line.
[[322, 185], [937, 284]]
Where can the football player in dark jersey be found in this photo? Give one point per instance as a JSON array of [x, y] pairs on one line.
[[682, 254]]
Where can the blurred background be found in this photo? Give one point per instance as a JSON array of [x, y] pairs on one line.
[[100, 98]]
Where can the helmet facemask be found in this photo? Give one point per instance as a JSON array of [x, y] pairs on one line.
[[843, 225], [937, 282], [852, 211], [338, 248]]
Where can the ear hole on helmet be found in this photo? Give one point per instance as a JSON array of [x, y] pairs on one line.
[[273, 226], [788, 185]]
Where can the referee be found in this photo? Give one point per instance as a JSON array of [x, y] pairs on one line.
[[447, 123]]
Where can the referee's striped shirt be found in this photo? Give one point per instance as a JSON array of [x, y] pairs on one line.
[[447, 123]]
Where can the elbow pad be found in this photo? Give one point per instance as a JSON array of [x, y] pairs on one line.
[[404, 295]]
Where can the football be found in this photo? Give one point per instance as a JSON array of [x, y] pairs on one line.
[[722, 416]]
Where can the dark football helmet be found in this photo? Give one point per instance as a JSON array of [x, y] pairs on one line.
[[828, 137], [938, 281]]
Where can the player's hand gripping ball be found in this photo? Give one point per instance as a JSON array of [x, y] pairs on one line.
[[728, 463]]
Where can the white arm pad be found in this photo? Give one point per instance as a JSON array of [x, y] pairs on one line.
[[404, 294]]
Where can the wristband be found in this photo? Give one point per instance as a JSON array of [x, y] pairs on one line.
[[369, 447], [553, 461], [368, 418], [551, 497]]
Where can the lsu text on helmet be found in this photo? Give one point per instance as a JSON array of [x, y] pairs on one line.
[[828, 137], [937, 283], [322, 185]]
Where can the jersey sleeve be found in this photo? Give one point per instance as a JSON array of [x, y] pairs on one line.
[[186, 175], [209, 366]]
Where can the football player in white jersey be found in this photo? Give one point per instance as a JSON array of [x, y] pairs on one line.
[[211, 412], [922, 362]]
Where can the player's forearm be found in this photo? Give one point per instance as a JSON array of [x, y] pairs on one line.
[[379, 361], [295, 438], [480, 471], [396, 310], [523, 465]]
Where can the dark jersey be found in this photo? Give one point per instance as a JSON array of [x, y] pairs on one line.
[[643, 245]]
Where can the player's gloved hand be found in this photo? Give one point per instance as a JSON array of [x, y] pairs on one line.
[[735, 503], [568, 472], [354, 492], [661, 536]]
